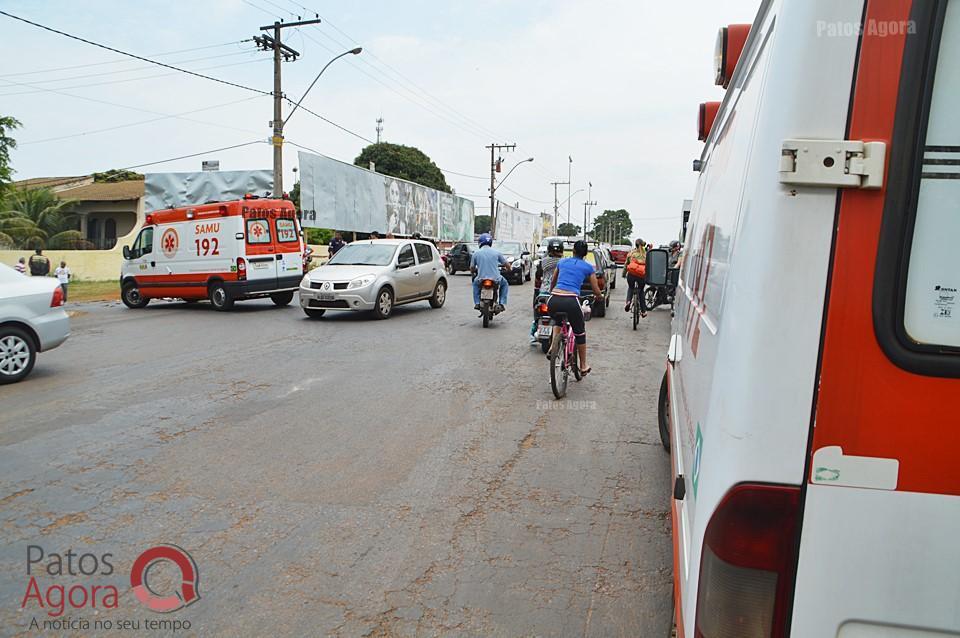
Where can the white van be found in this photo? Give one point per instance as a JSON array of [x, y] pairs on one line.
[[223, 252], [811, 392]]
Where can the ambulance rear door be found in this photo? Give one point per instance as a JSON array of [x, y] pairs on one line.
[[289, 252], [261, 251], [879, 552]]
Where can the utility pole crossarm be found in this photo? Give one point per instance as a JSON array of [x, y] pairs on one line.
[[493, 181]]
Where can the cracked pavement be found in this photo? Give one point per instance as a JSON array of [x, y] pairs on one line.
[[347, 477]]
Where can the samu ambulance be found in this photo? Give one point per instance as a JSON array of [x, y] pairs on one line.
[[223, 252], [812, 389]]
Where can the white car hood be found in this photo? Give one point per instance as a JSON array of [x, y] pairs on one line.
[[346, 273]]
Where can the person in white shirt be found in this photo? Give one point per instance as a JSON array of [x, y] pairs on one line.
[[63, 276]]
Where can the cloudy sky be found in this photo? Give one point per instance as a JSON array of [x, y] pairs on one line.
[[614, 84]]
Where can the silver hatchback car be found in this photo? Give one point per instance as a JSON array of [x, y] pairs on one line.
[[375, 275]]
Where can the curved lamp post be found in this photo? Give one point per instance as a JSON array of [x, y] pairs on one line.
[[355, 51]]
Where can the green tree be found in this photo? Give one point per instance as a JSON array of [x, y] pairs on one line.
[[7, 125], [613, 226], [568, 230], [481, 224], [37, 218], [405, 162]]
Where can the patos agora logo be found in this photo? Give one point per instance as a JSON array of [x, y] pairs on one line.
[[190, 576]]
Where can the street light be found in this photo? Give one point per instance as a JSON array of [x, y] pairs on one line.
[[355, 51], [493, 204]]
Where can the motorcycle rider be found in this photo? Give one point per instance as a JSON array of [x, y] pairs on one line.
[[544, 278], [485, 263], [568, 277], [636, 284], [673, 260]]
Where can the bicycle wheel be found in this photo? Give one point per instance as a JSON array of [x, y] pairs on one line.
[[636, 312], [558, 368]]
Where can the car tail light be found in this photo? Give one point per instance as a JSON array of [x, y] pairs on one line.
[[747, 567], [488, 283], [241, 268], [57, 300]]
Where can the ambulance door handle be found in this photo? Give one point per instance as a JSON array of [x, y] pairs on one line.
[[279, 256], [679, 488], [153, 264]]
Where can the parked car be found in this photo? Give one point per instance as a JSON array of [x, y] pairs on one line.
[[32, 320], [458, 257], [375, 275], [620, 253], [521, 265], [611, 266]]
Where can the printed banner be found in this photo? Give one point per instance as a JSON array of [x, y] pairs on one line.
[[342, 196], [514, 224]]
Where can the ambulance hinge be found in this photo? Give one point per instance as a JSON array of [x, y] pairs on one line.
[[832, 163]]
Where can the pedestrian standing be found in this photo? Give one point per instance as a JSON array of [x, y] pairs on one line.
[[63, 276], [335, 244], [21, 266], [636, 266], [39, 264]]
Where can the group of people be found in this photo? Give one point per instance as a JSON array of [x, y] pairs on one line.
[[562, 278], [39, 266]]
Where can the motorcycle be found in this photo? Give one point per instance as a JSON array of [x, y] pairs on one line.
[[663, 295], [489, 300]]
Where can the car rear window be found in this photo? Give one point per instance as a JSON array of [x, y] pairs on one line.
[[286, 230], [424, 253]]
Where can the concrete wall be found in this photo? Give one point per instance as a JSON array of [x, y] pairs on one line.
[[99, 265]]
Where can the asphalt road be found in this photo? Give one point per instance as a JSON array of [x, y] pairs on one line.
[[347, 476]]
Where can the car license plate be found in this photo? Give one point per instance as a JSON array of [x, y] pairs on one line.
[[486, 293], [545, 331], [326, 296], [260, 265]]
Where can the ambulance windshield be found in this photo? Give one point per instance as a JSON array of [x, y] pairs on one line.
[[363, 255]]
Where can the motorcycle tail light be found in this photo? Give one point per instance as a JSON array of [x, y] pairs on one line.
[[543, 309], [488, 283]]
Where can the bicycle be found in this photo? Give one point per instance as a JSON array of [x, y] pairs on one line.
[[635, 307], [563, 356]]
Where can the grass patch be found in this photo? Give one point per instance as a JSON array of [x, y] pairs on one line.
[[80, 291]]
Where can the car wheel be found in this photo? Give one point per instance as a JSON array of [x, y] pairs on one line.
[[282, 298], [451, 270], [663, 414], [131, 297], [17, 354], [439, 294], [219, 296], [520, 279], [383, 307], [314, 313], [599, 310]]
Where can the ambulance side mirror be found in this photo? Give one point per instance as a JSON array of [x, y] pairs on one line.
[[126, 252], [657, 267]]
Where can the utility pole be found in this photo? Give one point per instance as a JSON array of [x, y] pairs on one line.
[[494, 169], [585, 204], [556, 220], [285, 53], [379, 128]]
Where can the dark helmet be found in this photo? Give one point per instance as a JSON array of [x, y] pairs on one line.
[[555, 246], [416, 236], [580, 248]]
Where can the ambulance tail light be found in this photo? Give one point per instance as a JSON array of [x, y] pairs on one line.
[[241, 268], [747, 569], [57, 300]]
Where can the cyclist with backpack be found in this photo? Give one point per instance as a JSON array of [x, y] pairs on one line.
[[636, 268], [568, 277]]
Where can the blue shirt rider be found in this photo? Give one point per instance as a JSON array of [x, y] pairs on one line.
[[485, 264]]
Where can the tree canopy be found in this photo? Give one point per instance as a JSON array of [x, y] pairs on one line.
[[612, 226], [37, 218], [405, 162], [568, 230], [7, 125], [481, 224]]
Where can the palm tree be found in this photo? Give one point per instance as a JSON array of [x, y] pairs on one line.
[[37, 218]]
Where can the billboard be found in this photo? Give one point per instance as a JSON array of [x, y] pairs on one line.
[[514, 224], [171, 190], [342, 196]]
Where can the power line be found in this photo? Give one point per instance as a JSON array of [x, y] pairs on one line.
[[522, 196], [207, 152], [331, 122], [132, 55]]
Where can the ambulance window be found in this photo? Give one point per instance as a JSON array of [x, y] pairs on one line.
[[424, 253], [917, 277], [144, 243], [258, 231], [286, 230]]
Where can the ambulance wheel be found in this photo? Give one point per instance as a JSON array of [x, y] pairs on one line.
[[219, 297], [18, 353], [663, 414], [131, 297], [383, 307], [439, 295], [282, 298], [314, 313]]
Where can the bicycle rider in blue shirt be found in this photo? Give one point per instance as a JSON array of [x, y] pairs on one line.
[[485, 264], [568, 277]]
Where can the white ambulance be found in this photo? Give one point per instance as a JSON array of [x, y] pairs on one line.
[[811, 399], [223, 252]]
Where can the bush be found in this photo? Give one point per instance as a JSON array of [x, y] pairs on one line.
[[321, 236]]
